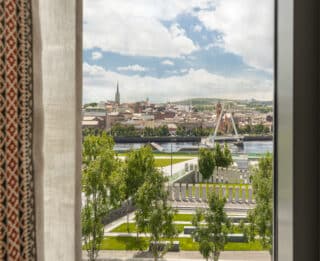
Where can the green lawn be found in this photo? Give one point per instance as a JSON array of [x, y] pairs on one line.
[[166, 162], [155, 154], [190, 154], [132, 228], [183, 217], [124, 243], [132, 243], [123, 228], [180, 227]]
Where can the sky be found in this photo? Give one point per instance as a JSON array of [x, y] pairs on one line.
[[169, 50]]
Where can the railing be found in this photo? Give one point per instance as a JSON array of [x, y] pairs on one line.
[[178, 175]]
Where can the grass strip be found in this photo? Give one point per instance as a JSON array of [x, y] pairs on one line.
[[180, 228], [133, 229], [167, 162], [186, 244]]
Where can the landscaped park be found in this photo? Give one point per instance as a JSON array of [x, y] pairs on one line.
[[149, 211]]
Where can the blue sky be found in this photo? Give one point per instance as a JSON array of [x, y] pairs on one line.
[[176, 49]]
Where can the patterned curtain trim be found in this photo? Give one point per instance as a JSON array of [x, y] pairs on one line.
[[17, 219]]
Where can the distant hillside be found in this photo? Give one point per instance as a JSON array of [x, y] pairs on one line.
[[200, 101], [210, 101]]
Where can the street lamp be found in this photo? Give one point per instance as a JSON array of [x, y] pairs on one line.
[[198, 161], [171, 158]]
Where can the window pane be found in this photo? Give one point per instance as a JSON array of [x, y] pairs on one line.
[[178, 129]]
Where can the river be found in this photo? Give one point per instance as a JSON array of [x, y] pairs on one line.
[[249, 147]]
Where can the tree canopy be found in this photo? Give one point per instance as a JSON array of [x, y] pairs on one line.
[[227, 157], [100, 167], [261, 217], [211, 235], [139, 164], [153, 213], [206, 163], [218, 156]]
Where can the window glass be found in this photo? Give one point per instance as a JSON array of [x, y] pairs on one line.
[[178, 129]]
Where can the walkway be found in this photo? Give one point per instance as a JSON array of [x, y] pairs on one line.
[[230, 212], [157, 146], [118, 222], [113, 255], [178, 167], [134, 234], [229, 207]]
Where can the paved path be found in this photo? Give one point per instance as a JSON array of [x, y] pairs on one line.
[[230, 213], [118, 222], [168, 157], [236, 208], [114, 255], [124, 234], [109, 227], [177, 167], [175, 157]]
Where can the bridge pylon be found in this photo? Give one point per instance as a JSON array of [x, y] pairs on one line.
[[222, 111]]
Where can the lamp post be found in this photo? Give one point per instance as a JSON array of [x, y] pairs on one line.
[[171, 157], [198, 162]]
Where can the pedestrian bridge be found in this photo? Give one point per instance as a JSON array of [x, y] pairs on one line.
[[157, 146]]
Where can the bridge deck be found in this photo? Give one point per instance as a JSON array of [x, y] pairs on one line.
[[157, 146]]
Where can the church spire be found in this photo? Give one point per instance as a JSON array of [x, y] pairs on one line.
[[117, 98]]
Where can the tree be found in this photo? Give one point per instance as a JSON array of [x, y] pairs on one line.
[[245, 130], [91, 131], [92, 104], [153, 213], [218, 156], [148, 132], [163, 131], [119, 130], [212, 236], [181, 131], [139, 164], [266, 130], [227, 157], [248, 129], [258, 129], [206, 163], [100, 166], [261, 216]]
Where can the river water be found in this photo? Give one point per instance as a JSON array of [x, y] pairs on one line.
[[249, 147]]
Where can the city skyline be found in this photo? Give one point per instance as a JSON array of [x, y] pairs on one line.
[[178, 50], [117, 91]]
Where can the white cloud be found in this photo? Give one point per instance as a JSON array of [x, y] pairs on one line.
[[99, 82], [172, 72], [96, 55], [247, 31], [134, 68], [209, 46], [160, 9], [197, 28], [135, 28], [168, 62]]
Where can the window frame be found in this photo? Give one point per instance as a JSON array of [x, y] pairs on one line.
[[297, 133], [296, 66], [283, 131]]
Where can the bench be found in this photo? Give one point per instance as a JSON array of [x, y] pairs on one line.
[[188, 230], [174, 247]]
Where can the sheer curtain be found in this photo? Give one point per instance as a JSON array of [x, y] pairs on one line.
[[17, 233]]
